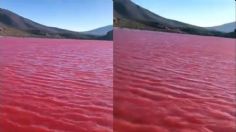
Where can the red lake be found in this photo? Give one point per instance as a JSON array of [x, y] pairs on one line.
[[167, 82], [49, 85]]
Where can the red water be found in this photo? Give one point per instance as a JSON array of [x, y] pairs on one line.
[[55, 85], [166, 82]]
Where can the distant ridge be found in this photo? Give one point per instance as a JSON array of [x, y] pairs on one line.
[[226, 28], [100, 31], [130, 15], [12, 24]]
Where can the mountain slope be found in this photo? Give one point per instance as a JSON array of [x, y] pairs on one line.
[[100, 31], [14, 21], [226, 28], [128, 14], [12, 24], [108, 36]]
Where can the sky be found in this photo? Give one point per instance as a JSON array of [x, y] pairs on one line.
[[75, 15], [205, 13]]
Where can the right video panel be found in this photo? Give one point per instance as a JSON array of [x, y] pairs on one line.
[[174, 66]]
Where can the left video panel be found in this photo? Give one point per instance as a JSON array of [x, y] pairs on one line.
[[56, 65]]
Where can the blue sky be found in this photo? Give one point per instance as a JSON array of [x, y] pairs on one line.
[[197, 12], [77, 15]]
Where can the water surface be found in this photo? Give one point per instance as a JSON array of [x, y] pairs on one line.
[[55, 85], [166, 82]]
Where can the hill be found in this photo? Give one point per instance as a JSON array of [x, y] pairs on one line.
[[12, 24], [226, 28], [100, 31], [130, 15]]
